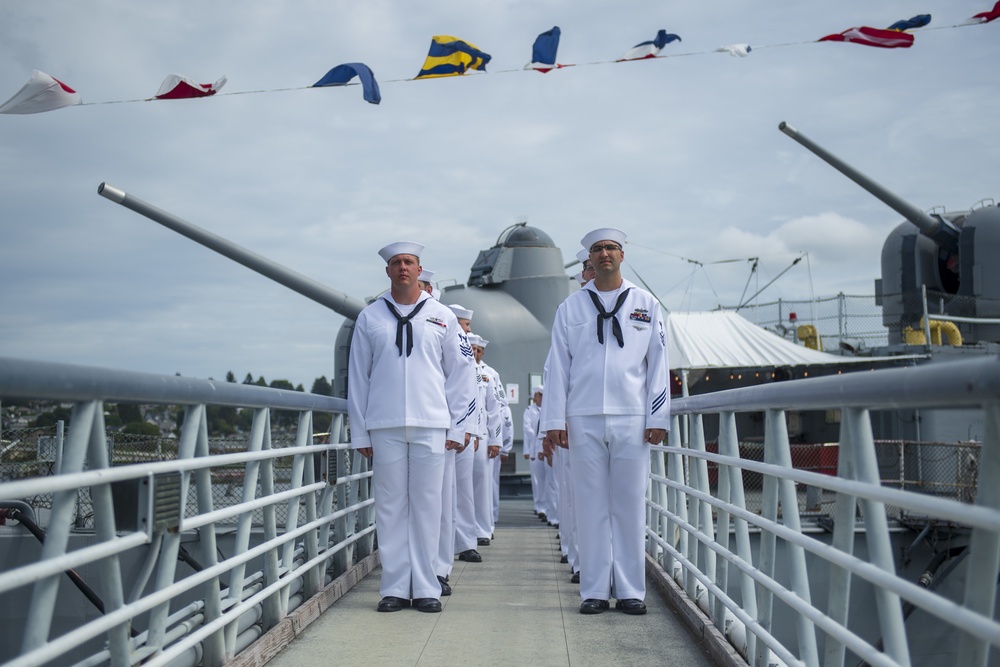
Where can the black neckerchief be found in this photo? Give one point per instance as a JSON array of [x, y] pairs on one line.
[[616, 327], [402, 322]]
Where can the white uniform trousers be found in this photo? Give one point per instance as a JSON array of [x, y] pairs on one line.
[[407, 472], [552, 493], [540, 473], [482, 482], [536, 489], [446, 543], [567, 521], [496, 490], [465, 502], [609, 463]]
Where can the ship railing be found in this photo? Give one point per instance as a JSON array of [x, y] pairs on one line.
[[753, 591], [146, 516]]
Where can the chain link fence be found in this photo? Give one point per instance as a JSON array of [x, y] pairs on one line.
[[29, 452], [854, 323], [944, 469], [850, 321]]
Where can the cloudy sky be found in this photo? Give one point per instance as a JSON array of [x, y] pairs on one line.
[[682, 152]]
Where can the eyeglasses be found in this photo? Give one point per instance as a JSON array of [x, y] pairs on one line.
[[610, 247]]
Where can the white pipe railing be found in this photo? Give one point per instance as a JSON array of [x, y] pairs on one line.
[[687, 520], [220, 620]]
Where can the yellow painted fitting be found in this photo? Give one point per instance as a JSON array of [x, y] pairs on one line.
[[913, 336], [945, 328], [809, 336]]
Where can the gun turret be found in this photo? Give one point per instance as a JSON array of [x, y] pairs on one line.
[[329, 297], [941, 231], [949, 257]]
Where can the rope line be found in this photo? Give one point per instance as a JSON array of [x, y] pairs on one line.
[[720, 51]]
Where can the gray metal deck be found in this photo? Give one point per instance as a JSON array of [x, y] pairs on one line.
[[517, 607]]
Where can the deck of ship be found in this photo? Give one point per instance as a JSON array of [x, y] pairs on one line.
[[517, 607]]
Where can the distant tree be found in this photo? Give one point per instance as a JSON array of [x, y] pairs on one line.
[[230, 377], [221, 419], [322, 421], [8, 402], [178, 419], [322, 386], [46, 419], [261, 382], [130, 412], [141, 428], [244, 420], [300, 388], [284, 418], [248, 379]]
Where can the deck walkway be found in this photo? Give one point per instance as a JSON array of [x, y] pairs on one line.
[[517, 607]]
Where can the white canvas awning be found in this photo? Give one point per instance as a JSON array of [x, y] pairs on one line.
[[724, 339]]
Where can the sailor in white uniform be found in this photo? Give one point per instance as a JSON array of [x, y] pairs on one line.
[[567, 513], [408, 398], [465, 498], [507, 444], [489, 446], [446, 541], [529, 430], [533, 435], [424, 282], [607, 399], [496, 401]]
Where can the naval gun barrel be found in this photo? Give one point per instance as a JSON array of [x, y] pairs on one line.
[[331, 298], [936, 228]]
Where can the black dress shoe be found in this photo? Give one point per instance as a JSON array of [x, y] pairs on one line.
[[470, 556], [542, 517], [564, 559], [593, 606], [427, 605], [631, 606], [483, 541], [445, 587], [390, 603], [575, 579]]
